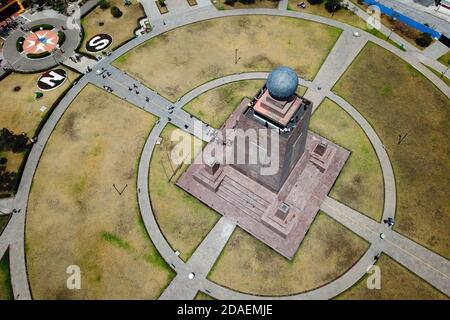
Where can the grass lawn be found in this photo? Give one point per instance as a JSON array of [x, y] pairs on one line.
[[75, 216], [271, 4], [360, 183], [19, 111], [181, 59], [397, 100], [5, 279], [3, 222], [445, 59], [121, 29], [397, 283], [203, 296], [183, 219], [248, 265]]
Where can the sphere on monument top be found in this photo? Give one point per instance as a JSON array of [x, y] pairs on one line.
[[282, 83]]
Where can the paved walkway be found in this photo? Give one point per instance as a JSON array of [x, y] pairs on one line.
[[13, 235], [411, 51], [341, 56], [386, 168], [177, 9], [426, 264], [131, 90], [82, 65], [418, 15], [283, 4], [6, 205], [436, 50], [200, 263]]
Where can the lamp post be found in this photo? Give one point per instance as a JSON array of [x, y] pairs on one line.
[[334, 9], [390, 33]]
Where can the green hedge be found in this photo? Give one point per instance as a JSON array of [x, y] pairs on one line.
[[43, 26], [62, 37], [19, 44], [38, 55]]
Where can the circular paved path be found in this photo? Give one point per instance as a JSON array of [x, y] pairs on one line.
[[327, 291]]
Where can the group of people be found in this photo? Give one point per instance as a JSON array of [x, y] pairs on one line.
[[9, 25]]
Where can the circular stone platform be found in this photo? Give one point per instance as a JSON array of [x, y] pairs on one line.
[[44, 41], [40, 41]]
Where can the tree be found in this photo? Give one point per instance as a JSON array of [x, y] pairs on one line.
[[104, 4], [162, 3], [313, 2], [424, 40], [7, 180], [116, 12], [230, 2], [333, 5], [13, 142]]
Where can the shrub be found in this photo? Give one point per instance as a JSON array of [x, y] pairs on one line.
[[13, 142], [162, 3], [104, 4], [38, 55], [62, 37], [19, 44], [333, 5], [44, 26], [230, 2], [116, 12], [424, 40]]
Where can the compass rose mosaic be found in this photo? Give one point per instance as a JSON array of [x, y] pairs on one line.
[[40, 41]]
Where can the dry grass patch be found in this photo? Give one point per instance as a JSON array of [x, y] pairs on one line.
[[397, 100], [248, 265], [181, 59], [445, 59], [19, 111], [76, 217], [360, 183], [203, 296], [397, 283], [5, 279], [183, 219], [121, 29]]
